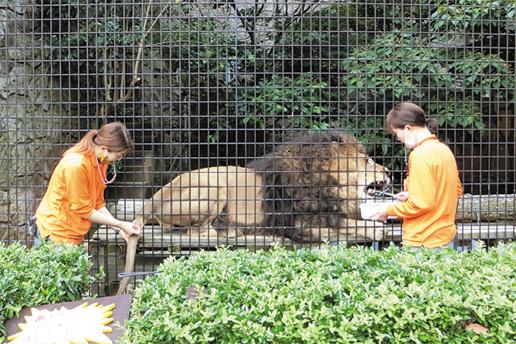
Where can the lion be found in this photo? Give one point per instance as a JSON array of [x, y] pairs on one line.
[[307, 190]]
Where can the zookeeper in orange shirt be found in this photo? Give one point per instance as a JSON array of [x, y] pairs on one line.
[[429, 203], [75, 195]]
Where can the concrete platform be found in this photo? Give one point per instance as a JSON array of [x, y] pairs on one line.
[[154, 237]]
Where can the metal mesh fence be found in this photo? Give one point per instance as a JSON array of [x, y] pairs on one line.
[[258, 89]]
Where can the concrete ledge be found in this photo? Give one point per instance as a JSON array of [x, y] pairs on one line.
[[155, 238]]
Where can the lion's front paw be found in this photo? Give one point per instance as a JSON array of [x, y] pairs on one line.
[[381, 233], [376, 231]]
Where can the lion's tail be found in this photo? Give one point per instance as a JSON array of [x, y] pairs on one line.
[[130, 255], [147, 213]]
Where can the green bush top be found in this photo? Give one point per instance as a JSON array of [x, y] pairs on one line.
[[333, 295], [38, 276]]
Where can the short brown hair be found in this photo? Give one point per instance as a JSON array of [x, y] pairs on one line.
[[408, 113]]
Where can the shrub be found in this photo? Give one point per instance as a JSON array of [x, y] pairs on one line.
[[38, 276], [333, 295]]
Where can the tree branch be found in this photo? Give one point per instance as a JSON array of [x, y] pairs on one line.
[[136, 79]]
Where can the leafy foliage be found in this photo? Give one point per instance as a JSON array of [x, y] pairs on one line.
[[81, 45], [400, 66], [334, 295], [47, 274], [300, 100], [474, 15], [225, 68]]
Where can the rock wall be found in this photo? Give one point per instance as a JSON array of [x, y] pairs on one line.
[[30, 124]]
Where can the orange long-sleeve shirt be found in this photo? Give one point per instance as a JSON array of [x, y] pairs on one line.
[[74, 191], [433, 187]]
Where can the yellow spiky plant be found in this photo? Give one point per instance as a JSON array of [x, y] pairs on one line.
[[80, 325]]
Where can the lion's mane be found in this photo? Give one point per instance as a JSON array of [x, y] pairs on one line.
[[300, 184]]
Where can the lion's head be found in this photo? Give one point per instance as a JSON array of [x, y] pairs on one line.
[[349, 164]]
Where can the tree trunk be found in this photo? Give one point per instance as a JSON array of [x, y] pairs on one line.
[[471, 208], [487, 208]]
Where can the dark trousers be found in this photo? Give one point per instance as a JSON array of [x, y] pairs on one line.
[[32, 228]]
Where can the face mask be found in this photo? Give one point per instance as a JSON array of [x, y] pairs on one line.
[[409, 139], [102, 157]]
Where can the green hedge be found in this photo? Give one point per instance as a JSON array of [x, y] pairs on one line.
[[32, 277], [333, 295]]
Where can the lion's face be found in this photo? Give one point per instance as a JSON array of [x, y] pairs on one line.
[[370, 175], [356, 171]]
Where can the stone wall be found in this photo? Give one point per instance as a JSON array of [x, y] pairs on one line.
[[30, 124]]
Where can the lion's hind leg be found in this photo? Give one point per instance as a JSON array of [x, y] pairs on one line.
[[213, 209]]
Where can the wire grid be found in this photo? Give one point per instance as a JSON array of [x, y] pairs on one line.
[[223, 83]]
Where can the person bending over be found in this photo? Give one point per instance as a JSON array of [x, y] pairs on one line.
[[75, 195]]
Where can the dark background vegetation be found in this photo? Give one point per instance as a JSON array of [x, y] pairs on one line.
[[220, 82]]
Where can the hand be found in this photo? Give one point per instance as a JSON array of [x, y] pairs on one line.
[[124, 235], [380, 216], [121, 232], [129, 228], [401, 196]]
